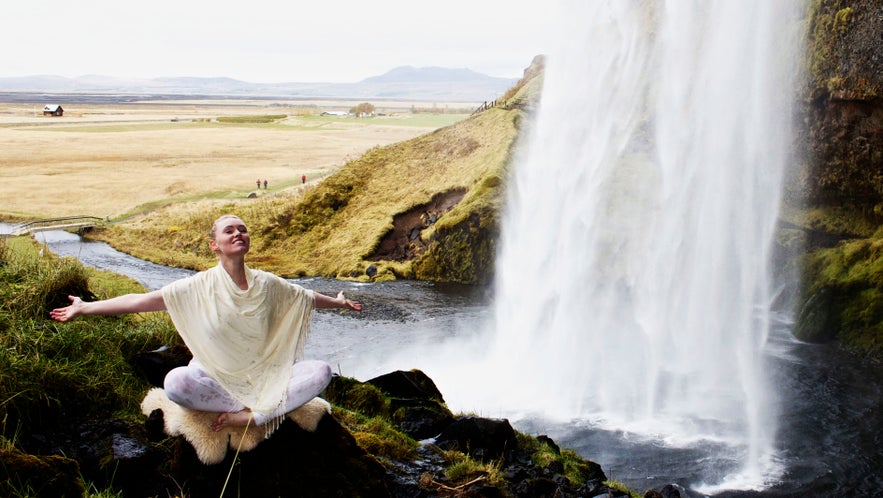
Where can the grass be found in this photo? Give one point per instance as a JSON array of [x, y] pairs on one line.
[[82, 365], [332, 228], [377, 435], [422, 120], [111, 160], [52, 374], [251, 119]]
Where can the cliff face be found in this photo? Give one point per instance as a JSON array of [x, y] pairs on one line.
[[836, 188], [841, 139]]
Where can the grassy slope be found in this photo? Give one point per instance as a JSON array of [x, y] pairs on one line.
[[334, 226], [50, 373], [342, 222]]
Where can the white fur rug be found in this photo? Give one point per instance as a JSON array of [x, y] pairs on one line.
[[210, 446]]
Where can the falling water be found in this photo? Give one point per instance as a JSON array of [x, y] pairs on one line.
[[633, 278]]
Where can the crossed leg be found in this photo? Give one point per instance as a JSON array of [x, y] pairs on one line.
[[192, 387]]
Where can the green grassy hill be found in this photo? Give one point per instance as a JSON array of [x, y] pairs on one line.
[[425, 208]]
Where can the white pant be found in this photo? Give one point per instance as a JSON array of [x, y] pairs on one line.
[[192, 387]]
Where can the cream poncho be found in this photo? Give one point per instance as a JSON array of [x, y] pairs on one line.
[[246, 339]]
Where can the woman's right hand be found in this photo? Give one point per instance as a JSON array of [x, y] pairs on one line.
[[68, 312]]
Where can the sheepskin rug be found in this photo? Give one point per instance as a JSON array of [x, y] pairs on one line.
[[210, 446]]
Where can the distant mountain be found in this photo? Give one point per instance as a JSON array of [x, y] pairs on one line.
[[411, 74], [434, 84]]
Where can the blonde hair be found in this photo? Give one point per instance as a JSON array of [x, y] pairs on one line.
[[214, 229]]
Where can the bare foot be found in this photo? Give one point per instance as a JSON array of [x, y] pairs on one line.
[[235, 419]]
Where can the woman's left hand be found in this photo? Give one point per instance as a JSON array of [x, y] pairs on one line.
[[347, 304]]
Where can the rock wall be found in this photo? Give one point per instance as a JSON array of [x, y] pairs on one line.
[[836, 187], [840, 138]]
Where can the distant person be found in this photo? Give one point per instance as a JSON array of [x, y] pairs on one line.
[[246, 329], [303, 179], [259, 184], [265, 184]]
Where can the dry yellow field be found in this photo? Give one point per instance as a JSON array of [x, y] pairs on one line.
[[108, 160]]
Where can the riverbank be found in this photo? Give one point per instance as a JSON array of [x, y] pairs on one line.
[[72, 420]]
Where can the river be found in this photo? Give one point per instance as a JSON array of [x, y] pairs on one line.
[[829, 403]]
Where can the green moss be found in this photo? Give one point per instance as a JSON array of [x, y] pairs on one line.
[[377, 435], [357, 396], [841, 20], [619, 486], [826, 21], [842, 298], [576, 469], [29, 476]]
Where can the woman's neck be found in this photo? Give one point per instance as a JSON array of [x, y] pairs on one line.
[[236, 269]]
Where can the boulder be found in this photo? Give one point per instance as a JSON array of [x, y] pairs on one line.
[[416, 404], [49, 476], [482, 438], [291, 463]]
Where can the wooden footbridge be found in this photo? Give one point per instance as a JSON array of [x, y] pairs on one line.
[[78, 223]]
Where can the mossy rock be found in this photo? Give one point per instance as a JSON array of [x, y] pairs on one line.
[[819, 317], [52, 476], [357, 396]]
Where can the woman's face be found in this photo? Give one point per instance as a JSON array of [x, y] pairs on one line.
[[231, 237]]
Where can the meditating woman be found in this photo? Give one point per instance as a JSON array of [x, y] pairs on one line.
[[246, 329]]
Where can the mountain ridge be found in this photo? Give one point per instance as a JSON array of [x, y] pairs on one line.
[[403, 82]]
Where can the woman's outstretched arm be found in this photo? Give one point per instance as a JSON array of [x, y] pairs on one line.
[[327, 302], [129, 303]]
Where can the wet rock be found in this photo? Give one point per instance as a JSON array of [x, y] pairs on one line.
[[291, 463], [417, 405], [667, 491], [482, 438], [550, 442], [413, 385], [51, 476], [154, 365]]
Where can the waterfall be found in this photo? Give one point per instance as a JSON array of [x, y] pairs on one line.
[[633, 277]]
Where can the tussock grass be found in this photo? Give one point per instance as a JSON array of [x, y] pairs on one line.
[[377, 435], [52, 373], [462, 469]]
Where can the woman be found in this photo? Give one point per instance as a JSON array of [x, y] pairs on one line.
[[245, 329]]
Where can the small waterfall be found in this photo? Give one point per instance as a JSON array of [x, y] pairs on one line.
[[632, 282]]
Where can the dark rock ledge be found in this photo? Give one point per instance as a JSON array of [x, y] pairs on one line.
[[140, 460]]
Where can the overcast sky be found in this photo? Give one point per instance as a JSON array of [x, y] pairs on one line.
[[269, 41]]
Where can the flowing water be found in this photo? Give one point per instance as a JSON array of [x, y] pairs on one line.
[[634, 271], [634, 285]]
